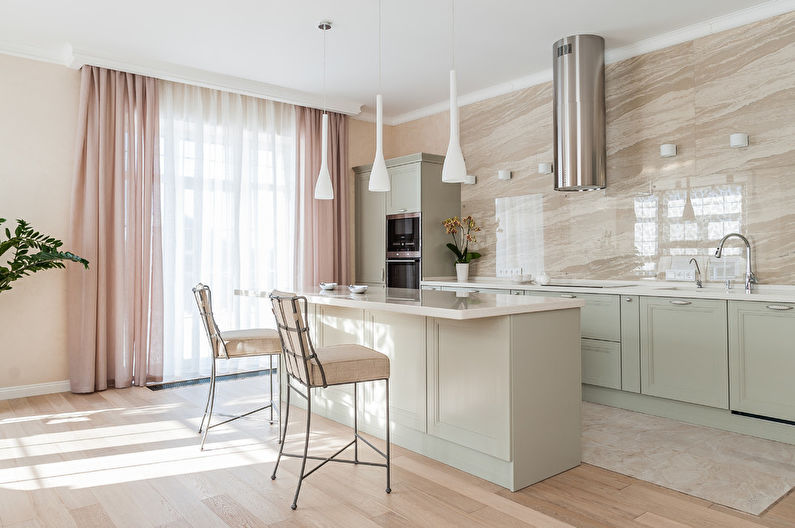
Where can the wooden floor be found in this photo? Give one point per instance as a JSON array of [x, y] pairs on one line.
[[130, 457]]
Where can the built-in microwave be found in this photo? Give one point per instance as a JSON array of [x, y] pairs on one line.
[[403, 235]]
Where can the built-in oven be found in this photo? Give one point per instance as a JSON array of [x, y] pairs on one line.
[[403, 250], [403, 235], [403, 273]]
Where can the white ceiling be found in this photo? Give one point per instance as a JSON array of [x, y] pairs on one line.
[[277, 41]]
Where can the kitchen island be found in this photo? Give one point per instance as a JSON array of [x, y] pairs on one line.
[[486, 383]]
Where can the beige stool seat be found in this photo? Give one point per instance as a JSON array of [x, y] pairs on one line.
[[348, 364], [252, 342]]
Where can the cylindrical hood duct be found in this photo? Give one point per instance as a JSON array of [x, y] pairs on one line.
[[579, 113]]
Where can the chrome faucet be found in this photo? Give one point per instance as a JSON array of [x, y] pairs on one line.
[[750, 278], [698, 273]]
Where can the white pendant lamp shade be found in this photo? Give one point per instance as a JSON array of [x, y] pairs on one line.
[[454, 169], [379, 177], [323, 188]]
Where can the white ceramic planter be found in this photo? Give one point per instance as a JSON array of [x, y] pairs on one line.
[[461, 272]]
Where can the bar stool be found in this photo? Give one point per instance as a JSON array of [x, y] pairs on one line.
[[231, 345], [320, 368]]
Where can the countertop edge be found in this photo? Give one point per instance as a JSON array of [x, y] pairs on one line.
[[657, 290]]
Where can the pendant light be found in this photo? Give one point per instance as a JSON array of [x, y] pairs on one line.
[[323, 187], [454, 169], [379, 176]]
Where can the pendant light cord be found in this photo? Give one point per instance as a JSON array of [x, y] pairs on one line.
[[380, 4], [324, 70], [452, 33]]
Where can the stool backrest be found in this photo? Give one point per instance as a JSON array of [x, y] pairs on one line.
[[204, 300], [300, 359]]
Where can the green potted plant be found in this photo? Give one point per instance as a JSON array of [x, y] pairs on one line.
[[463, 232], [32, 252]]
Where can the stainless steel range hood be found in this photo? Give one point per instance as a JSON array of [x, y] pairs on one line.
[[579, 113]]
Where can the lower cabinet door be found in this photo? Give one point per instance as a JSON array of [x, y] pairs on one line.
[[601, 363], [469, 383], [684, 350], [402, 338], [762, 358]]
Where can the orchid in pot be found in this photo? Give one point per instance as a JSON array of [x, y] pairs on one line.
[[463, 231]]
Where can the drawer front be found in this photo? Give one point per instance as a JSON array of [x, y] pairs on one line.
[[600, 318], [762, 358], [601, 363]]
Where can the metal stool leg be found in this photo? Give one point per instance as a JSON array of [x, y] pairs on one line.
[[356, 422], [279, 380], [301, 475], [207, 405], [388, 463], [284, 434], [212, 403], [270, 380]]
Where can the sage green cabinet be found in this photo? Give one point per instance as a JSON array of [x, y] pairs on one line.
[[600, 329], [684, 350], [762, 358], [601, 363], [404, 197], [370, 232], [600, 318], [416, 186], [630, 343]]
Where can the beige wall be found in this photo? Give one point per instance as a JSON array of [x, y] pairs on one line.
[[38, 115], [695, 95]]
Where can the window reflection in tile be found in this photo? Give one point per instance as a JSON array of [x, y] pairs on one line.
[[682, 222]]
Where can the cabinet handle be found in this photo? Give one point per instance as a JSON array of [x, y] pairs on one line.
[[568, 296], [627, 299], [517, 293], [681, 303], [402, 210], [382, 274], [780, 307]]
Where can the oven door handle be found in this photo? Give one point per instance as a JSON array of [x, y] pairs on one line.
[[402, 260]]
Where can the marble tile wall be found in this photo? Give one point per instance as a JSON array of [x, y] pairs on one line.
[[655, 212]]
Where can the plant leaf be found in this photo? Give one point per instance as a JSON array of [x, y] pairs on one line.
[[455, 250]]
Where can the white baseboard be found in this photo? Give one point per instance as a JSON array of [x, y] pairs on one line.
[[22, 391]]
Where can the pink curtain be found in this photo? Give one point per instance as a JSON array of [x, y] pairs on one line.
[[115, 329], [322, 225]]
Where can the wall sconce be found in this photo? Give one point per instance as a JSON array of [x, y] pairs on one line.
[[504, 174], [667, 150], [545, 168], [738, 140]]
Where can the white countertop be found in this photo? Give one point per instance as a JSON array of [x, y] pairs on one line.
[[762, 293], [433, 303]]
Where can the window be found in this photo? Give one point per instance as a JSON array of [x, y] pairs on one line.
[[228, 208]]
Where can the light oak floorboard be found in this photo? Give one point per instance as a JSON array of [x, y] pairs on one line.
[[130, 457]]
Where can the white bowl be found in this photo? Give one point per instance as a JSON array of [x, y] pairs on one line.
[[328, 285], [357, 288]]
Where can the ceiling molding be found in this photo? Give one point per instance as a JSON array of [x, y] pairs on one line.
[[685, 34], [473, 97], [701, 29], [77, 58], [216, 81], [26, 51]]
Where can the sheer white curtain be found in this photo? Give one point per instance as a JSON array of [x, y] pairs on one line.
[[228, 192]]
